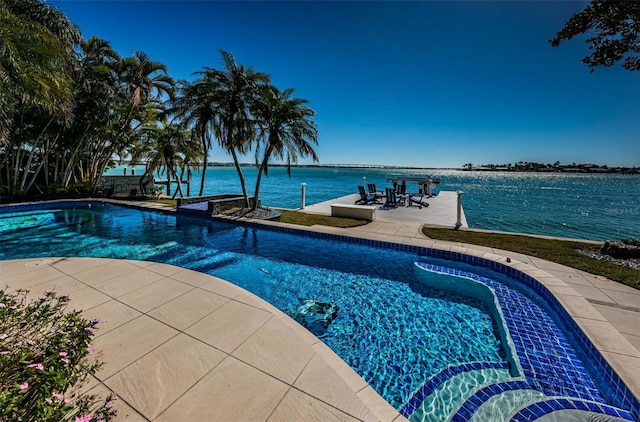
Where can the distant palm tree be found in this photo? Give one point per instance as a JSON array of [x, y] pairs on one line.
[[168, 148], [286, 129]]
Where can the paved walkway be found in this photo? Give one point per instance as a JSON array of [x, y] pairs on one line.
[[181, 345]]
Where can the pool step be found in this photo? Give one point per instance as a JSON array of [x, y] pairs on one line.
[[570, 409], [478, 392], [501, 406], [453, 383], [448, 396], [496, 401]]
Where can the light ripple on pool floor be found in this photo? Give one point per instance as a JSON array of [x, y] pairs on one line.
[[451, 394], [499, 407]]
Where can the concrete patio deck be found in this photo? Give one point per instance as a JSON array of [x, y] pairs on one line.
[[442, 210], [182, 345]]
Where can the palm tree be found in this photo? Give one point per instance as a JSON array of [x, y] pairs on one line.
[[146, 79], [232, 90], [195, 107], [286, 129], [36, 46], [95, 75], [143, 88], [168, 147]]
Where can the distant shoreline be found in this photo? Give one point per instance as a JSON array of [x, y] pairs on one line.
[[580, 168]]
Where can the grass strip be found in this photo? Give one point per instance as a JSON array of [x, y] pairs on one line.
[[164, 201], [555, 250], [304, 219]]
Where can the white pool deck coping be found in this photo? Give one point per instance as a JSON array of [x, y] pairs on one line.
[[182, 345]]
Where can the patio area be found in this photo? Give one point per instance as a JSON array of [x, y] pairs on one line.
[[442, 210]]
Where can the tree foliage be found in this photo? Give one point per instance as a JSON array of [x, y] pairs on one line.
[[613, 31], [232, 90], [70, 108], [36, 45], [286, 130]]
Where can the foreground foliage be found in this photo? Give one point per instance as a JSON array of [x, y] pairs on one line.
[[44, 356], [613, 30], [559, 251]]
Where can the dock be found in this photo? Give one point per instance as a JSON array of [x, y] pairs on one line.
[[442, 210]]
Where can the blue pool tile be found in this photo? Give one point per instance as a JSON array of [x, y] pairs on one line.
[[546, 356]]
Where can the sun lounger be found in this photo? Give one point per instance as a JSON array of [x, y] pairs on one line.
[[418, 200], [365, 198], [373, 191], [392, 200]]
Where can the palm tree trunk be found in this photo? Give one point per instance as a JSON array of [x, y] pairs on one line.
[[32, 154], [205, 162], [243, 184], [189, 182], [146, 172], [16, 169], [42, 162], [261, 169], [69, 167], [179, 180], [168, 182]]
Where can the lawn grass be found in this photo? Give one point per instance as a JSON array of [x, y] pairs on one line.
[[164, 201], [304, 219], [554, 250]]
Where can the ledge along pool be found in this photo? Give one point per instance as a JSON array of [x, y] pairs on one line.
[[436, 338]]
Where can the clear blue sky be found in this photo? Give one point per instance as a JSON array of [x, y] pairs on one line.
[[426, 84]]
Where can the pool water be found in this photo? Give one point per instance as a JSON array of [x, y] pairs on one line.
[[390, 328], [392, 316]]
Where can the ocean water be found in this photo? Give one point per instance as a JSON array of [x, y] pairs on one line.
[[581, 206]]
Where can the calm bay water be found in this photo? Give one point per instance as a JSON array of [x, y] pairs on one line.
[[583, 206]]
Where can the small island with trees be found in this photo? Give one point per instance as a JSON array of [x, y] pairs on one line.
[[556, 167]]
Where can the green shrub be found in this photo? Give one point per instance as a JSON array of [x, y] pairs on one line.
[[44, 357]]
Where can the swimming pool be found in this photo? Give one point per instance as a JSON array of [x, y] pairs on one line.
[[397, 331]]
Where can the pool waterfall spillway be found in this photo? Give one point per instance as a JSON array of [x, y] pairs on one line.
[[214, 204], [259, 258]]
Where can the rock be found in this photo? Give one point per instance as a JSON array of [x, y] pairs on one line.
[[631, 241], [624, 249], [316, 316], [260, 213]]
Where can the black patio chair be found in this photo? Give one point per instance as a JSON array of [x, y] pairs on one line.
[[365, 198]]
